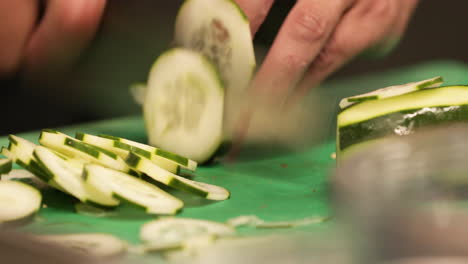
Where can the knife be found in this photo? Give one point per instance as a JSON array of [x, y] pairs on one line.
[[274, 123]]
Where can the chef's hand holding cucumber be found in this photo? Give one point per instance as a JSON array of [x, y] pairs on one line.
[[38, 36], [319, 36]]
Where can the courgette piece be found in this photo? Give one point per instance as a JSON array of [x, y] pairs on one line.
[[21, 151], [139, 148], [123, 149], [401, 115], [96, 244], [171, 233], [208, 191], [184, 104], [18, 201], [117, 184], [220, 30], [5, 166], [74, 148], [69, 178], [392, 91]]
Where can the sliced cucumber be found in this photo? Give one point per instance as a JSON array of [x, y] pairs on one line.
[[70, 179], [114, 183], [140, 149], [401, 115], [170, 233], [74, 148], [184, 104], [392, 91], [18, 201], [97, 244], [5, 166], [208, 191], [123, 149], [21, 152], [221, 31]]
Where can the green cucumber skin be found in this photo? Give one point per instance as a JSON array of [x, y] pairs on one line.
[[133, 160], [408, 120], [159, 152], [179, 185], [6, 167], [91, 150], [12, 140], [171, 156]]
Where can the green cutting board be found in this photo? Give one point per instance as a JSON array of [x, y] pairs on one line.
[[287, 187]]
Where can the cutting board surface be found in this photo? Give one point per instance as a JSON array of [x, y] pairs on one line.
[[287, 187]]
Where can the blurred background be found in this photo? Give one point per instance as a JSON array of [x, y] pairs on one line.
[[134, 33]]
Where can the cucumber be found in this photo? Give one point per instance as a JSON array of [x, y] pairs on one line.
[[392, 91], [69, 178], [5, 166], [220, 30], [139, 148], [123, 149], [110, 182], [18, 201], [205, 190], [74, 148], [21, 152], [96, 244], [401, 115], [171, 233], [184, 104]]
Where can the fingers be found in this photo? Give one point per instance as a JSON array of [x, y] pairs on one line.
[[301, 38], [362, 27], [65, 30], [256, 11], [17, 22]]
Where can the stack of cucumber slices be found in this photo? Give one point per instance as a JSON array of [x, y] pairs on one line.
[[192, 89], [102, 171], [398, 111]]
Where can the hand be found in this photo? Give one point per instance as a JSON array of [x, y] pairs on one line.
[[320, 36], [36, 44]]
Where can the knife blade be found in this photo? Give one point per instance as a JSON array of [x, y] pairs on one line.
[[274, 122]]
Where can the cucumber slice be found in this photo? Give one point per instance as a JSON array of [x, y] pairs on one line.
[[70, 178], [208, 191], [392, 91], [18, 201], [220, 30], [184, 104], [5, 166], [401, 115], [140, 148], [21, 152], [94, 211], [170, 233], [74, 148], [97, 244], [123, 149], [114, 183]]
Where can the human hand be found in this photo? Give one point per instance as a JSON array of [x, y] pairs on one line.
[[320, 36], [36, 44]]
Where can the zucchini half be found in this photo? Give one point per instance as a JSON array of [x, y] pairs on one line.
[[401, 115]]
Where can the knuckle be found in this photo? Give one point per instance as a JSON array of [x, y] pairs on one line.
[[329, 56], [292, 63], [308, 27]]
